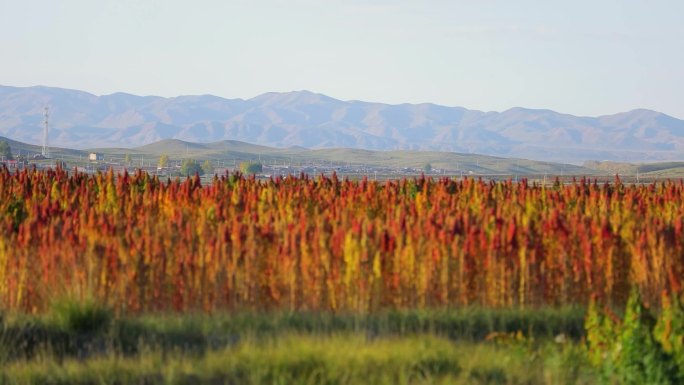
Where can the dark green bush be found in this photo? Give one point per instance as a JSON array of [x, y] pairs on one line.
[[79, 317], [627, 351]]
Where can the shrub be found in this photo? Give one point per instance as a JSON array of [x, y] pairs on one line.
[[81, 317], [669, 330], [628, 352], [190, 167], [251, 168]]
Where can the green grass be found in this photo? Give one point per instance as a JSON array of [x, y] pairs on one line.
[[335, 359], [81, 329], [79, 316], [82, 343]]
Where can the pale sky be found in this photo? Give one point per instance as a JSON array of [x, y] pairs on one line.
[[580, 57]]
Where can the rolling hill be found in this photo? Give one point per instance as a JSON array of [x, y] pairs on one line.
[[310, 120], [230, 153]]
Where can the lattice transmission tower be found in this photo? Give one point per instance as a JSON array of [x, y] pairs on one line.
[[46, 149]]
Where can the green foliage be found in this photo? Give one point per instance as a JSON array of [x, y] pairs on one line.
[[427, 167], [629, 352], [196, 332], [16, 210], [207, 168], [345, 359], [488, 376], [163, 161], [568, 365], [251, 168], [79, 316], [669, 330], [190, 167], [641, 359], [127, 159], [5, 150], [601, 335]]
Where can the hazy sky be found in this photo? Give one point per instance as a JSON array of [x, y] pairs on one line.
[[581, 57]]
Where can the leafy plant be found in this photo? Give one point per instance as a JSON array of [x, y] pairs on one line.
[[5, 150], [163, 161], [251, 168], [640, 359], [207, 168], [628, 352], [79, 316], [190, 167], [669, 330]]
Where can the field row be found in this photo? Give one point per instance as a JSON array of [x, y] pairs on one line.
[[137, 243]]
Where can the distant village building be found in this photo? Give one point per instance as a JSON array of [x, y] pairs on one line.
[[94, 157], [11, 164]]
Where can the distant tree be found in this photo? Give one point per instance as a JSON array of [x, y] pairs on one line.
[[190, 167], [163, 161], [427, 167], [127, 159], [5, 150], [207, 167], [251, 168]]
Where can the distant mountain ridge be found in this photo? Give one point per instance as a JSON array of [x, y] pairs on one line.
[[83, 120]]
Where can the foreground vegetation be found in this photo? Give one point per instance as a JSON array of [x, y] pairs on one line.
[[141, 244], [339, 359], [78, 343], [76, 329], [129, 279], [82, 344]]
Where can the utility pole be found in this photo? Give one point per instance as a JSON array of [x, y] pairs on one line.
[[46, 149]]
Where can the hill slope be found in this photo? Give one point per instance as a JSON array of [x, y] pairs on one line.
[[306, 119], [229, 153]]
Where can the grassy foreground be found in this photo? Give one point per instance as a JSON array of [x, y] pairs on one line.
[[83, 344], [336, 359]]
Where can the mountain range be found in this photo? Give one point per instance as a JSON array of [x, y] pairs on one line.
[[305, 119]]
